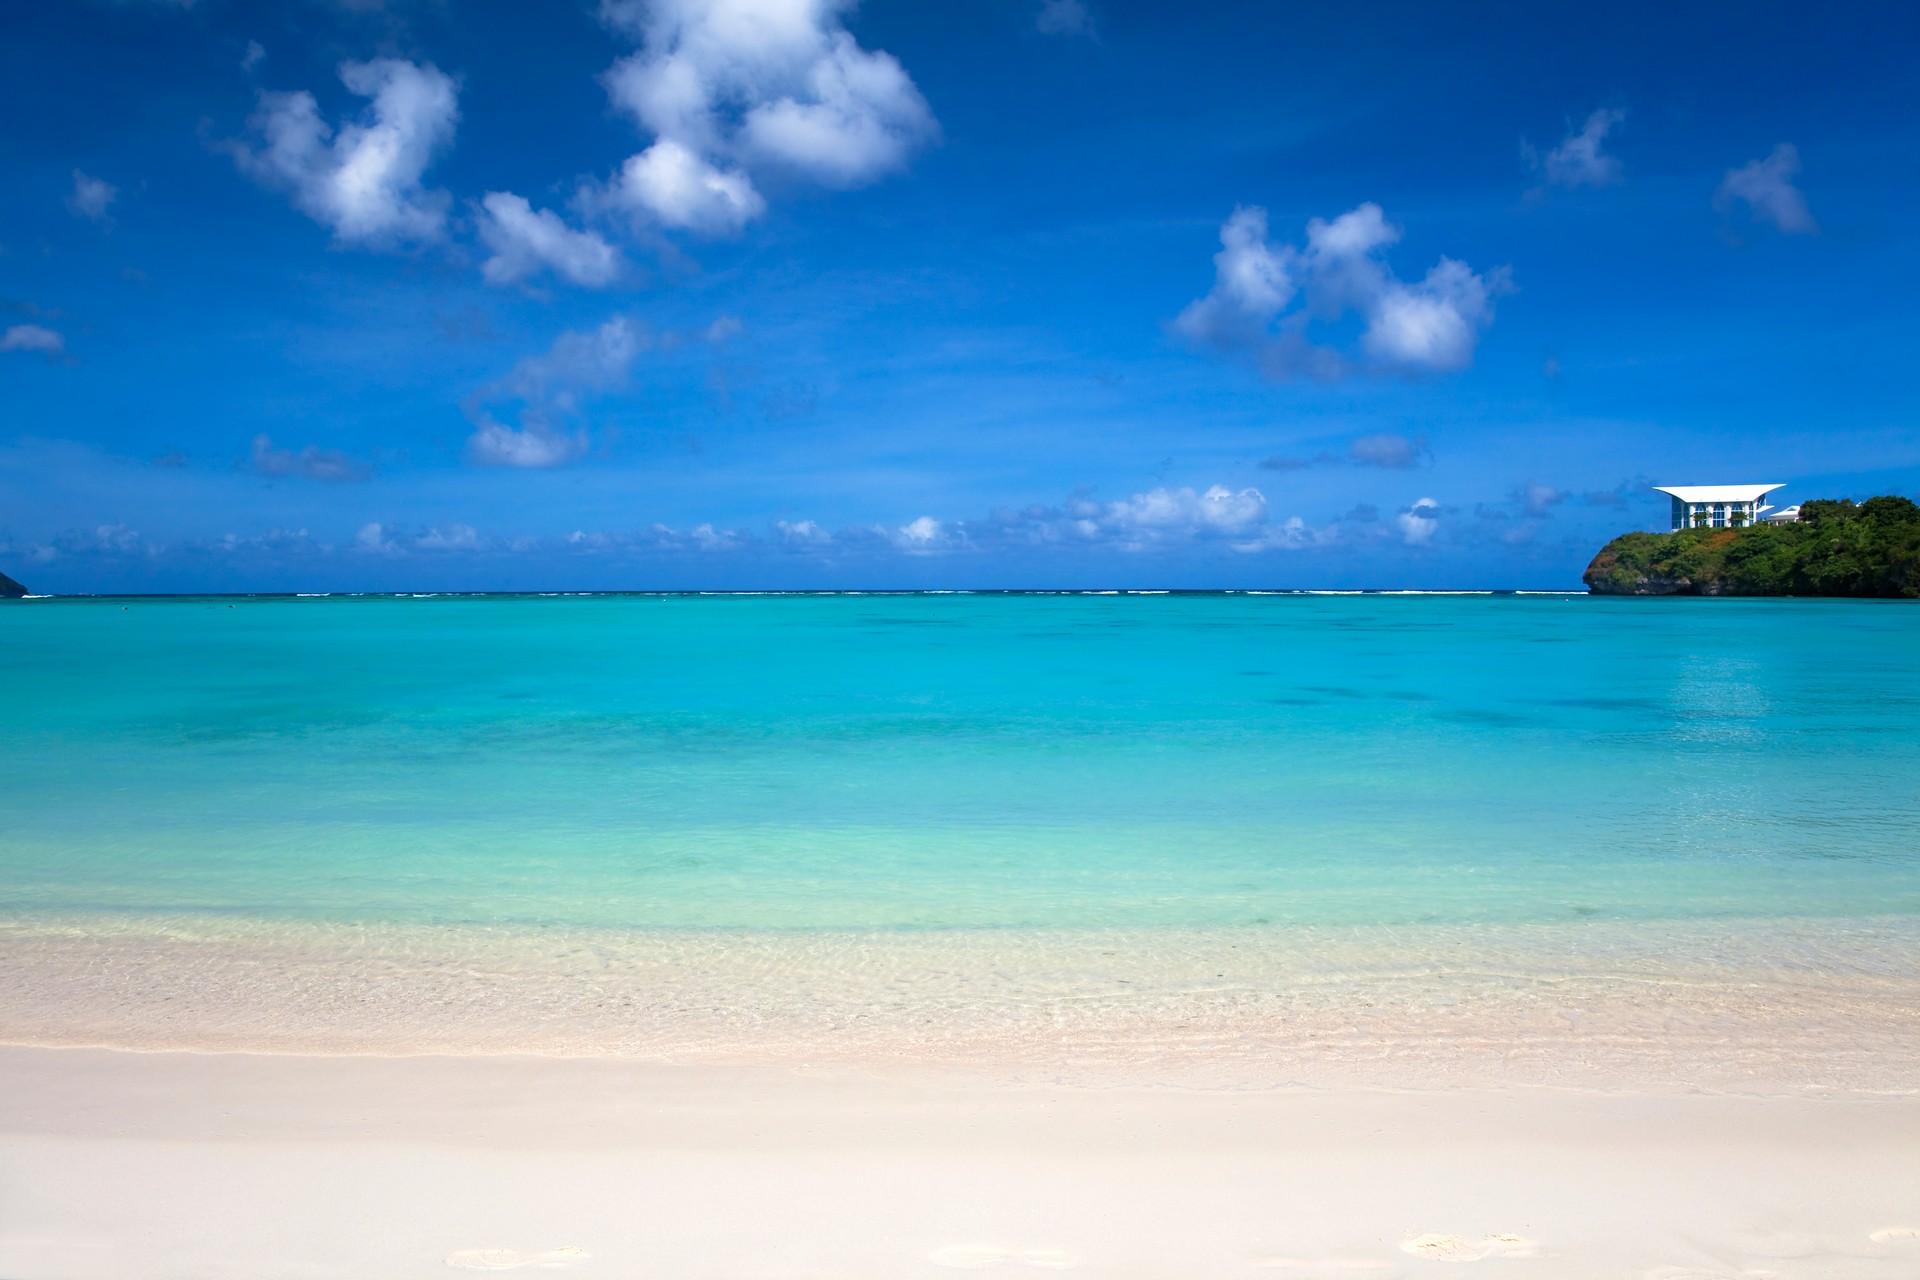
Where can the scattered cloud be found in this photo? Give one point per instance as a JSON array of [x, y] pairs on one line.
[[1063, 18], [551, 390], [723, 329], [921, 535], [362, 180], [91, 197], [255, 54], [658, 539], [535, 445], [729, 86], [1432, 324], [1385, 449], [1766, 187], [455, 537], [1161, 518], [108, 540], [1581, 160], [1418, 522], [311, 463], [272, 542], [524, 241], [33, 337], [1537, 499], [373, 539], [801, 533]]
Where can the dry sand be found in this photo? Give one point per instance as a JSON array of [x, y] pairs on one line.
[[202, 1166]]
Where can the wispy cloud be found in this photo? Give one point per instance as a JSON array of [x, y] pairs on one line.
[[1385, 449], [523, 241], [33, 337], [1581, 159], [91, 197], [1063, 18], [1767, 188], [551, 390], [311, 463]]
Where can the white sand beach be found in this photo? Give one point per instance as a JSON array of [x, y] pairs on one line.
[[210, 1166]]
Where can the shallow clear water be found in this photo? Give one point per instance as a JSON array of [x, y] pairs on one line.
[[932, 761]]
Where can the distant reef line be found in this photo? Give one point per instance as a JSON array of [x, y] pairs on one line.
[[1836, 548]]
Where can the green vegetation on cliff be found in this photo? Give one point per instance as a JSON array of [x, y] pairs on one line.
[[1836, 549]]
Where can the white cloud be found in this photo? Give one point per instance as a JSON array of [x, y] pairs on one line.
[[1253, 282], [535, 446], [312, 463], [32, 337], [1767, 188], [921, 534], [729, 84], [592, 360], [91, 197], [671, 184], [1579, 160], [801, 533], [1432, 324], [1217, 508], [374, 540], [364, 179], [723, 329], [1418, 522], [455, 537], [551, 388], [524, 240], [1151, 520], [1063, 18]]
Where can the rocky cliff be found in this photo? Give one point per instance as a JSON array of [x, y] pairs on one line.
[[9, 589]]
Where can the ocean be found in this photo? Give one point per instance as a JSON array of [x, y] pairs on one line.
[[837, 775]]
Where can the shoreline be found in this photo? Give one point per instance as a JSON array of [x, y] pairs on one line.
[[183, 1165], [1754, 1007]]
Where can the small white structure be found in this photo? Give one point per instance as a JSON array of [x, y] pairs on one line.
[[1718, 506], [1785, 515]]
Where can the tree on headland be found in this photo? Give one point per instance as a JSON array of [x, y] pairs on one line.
[[1837, 548]]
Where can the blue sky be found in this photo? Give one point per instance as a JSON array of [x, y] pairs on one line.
[[737, 293]]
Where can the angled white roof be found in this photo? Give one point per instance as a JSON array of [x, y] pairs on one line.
[[1719, 492]]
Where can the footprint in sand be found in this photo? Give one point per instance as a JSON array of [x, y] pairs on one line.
[[1445, 1248], [515, 1259], [1895, 1235], [979, 1257]]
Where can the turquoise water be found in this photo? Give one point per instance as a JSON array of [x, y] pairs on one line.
[[934, 761]]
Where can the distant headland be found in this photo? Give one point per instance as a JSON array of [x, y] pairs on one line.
[[1832, 548], [9, 589]]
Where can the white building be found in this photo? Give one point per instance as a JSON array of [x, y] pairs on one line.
[[1717, 506]]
